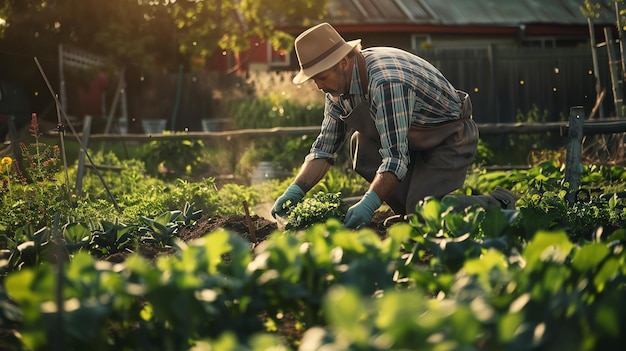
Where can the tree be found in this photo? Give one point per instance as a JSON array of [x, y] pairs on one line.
[[152, 33]]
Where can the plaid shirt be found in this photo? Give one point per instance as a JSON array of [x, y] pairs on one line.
[[404, 90]]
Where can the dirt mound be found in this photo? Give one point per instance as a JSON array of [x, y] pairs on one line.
[[256, 230], [262, 227]]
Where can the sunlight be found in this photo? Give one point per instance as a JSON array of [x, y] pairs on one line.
[[156, 2]]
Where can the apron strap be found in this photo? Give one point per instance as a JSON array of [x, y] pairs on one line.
[[360, 61]]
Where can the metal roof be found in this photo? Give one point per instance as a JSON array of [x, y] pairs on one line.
[[463, 12]]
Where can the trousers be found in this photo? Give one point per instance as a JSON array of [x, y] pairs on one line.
[[440, 156]]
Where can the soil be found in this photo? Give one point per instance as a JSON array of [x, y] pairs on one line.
[[261, 227], [238, 224]]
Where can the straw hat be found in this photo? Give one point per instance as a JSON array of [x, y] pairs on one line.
[[318, 49]]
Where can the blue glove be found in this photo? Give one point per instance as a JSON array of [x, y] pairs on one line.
[[293, 193], [363, 211]]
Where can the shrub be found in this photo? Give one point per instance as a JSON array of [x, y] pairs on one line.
[[170, 159]]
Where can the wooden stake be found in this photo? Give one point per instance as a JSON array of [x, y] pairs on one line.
[[249, 220]]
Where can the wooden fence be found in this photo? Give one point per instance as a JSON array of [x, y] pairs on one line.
[[505, 81], [500, 81], [599, 126], [575, 128]]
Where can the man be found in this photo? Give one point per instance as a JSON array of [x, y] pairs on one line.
[[411, 132]]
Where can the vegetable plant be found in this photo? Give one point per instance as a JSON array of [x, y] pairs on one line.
[[316, 209]]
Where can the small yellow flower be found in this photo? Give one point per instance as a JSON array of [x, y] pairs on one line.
[[7, 161]]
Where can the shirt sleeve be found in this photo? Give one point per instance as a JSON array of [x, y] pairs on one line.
[[332, 133], [393, 103]]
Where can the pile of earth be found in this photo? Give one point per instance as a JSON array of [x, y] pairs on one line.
[[254, 228], [260, 227]]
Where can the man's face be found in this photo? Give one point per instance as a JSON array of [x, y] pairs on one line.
[[336, 80]]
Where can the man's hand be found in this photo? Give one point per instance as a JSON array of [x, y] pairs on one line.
[[363, 211], [293, 194]]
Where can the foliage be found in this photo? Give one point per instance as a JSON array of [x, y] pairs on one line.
[[154, 33], [590, 9], [530, 149], [337, 181], [598, 207], [160, 231], [316, 209], [41, 161], [476, 313], [106, 239], [171, 159], [276, 110], [279, 83], [347, 290], [285, 154], [549, 275], [30, 193], [484, 154], [232, 196]]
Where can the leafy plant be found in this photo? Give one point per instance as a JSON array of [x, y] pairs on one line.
[[159, 231], [172, 159], [31, 195], [112, 238], [316, 209]]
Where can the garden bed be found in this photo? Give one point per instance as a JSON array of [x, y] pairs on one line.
[[237, 224], [263, 227]]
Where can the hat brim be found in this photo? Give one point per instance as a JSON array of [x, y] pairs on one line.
[[327, 63]]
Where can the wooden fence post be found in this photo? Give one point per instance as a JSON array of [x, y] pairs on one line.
[[81, 155], [596, 68], [573, 163], [620, 33], [614, 67]]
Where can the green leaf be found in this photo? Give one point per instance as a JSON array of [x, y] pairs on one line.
[[494, 223], [487, 262], [535, 220], [618, 235], [467, 328], [459, 224], [216, 244], [509, 326], [76, 232], [547, 247], [345, 311], [589, 257], [608, 272], [430, 212], [396, 236]]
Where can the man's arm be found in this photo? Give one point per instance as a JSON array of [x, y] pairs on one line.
[[311, 173], [384, 184]]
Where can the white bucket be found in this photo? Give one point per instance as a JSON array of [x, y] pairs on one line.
[[265, 171], [210, 125]]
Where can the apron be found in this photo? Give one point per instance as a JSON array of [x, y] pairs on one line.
[[419, 137], [440, 155]]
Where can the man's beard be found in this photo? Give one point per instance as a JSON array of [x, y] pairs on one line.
[[332, 92]]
